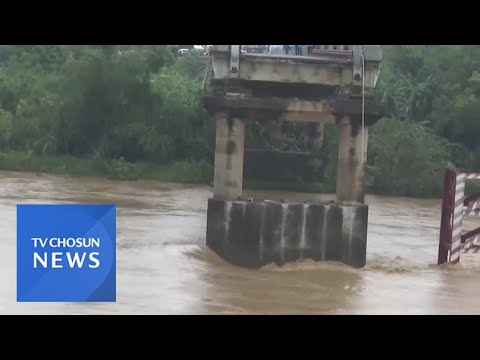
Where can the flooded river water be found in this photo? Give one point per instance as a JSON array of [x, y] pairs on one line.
[[164, 267]]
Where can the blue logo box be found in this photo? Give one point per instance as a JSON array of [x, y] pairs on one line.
[[66, 253]]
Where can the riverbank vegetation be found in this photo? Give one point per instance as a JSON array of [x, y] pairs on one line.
[[129, 112]]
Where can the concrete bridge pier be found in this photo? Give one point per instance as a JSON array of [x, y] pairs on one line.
[[316, 90], [255, 233], [229, 152], [353, 140]]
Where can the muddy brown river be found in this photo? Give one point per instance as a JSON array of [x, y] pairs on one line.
[[164, 267]]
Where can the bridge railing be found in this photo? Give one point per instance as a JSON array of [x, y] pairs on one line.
[[345, 50], [455, 206]]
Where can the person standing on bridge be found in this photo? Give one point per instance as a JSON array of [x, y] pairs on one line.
[[298, 50], [286, 49]]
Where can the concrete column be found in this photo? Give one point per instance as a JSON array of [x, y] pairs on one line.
[[350, 165], [229, 149]]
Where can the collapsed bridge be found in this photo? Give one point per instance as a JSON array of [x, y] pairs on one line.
[[330, 87]]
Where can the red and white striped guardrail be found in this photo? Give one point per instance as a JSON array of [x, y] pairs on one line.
[[455, 206]]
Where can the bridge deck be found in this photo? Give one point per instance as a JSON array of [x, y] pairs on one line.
[[323, 69], [317, 59]]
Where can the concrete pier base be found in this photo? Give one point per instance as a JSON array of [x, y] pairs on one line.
[[252, 234]]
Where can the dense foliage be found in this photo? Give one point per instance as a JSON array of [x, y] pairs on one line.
[[432, 98], [125, 105], [112, 101]]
